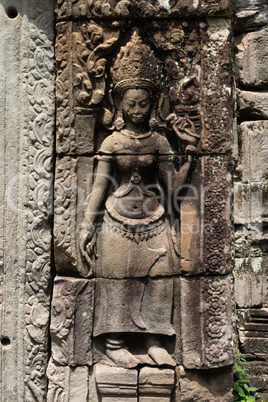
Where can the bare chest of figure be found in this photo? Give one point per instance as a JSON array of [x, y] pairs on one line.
[[136, 197]]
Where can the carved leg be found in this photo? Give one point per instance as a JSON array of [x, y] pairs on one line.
[[116, 351]]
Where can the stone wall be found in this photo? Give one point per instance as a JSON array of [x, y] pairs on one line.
[[251, 187]]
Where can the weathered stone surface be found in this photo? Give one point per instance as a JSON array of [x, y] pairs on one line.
[[72, 321], [251, 203], [67, 383], [252, 105], [205, 218], [250, 282], [117, 86], [116, 383], [217, 87], [251, 59], [155, 385], [81, 85], [205, 385], [250, 14], [26, 147], [82, 81], [73, 180], [253, 162], [207, 322], [259, 376], [133, 306], [133, 9]]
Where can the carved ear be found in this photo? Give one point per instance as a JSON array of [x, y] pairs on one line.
[[154, 124], [119, 118]]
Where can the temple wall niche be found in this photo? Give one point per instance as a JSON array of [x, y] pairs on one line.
[[250, 187], [143, 301]]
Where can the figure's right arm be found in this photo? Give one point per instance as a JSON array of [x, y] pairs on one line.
[[95, 201], [96, 198]]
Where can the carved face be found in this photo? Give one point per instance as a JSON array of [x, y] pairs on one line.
[[136, 105]]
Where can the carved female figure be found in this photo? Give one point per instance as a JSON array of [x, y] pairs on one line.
[[136, 258]]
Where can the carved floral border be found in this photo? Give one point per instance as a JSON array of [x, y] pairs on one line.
[[37, 168]]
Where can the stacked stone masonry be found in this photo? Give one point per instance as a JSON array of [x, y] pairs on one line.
[[138, 244], [143, 298], [251, 188]]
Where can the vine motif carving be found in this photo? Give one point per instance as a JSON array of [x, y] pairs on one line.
[[218, 342], [216, 65], [39, 135], [65, 207], [217, 231], [58, 378], [91, 43], [65, 115]]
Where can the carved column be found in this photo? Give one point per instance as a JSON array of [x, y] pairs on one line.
[[143, 301], [27, 124]]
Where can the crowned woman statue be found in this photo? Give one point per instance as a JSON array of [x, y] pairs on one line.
[[133, 253]]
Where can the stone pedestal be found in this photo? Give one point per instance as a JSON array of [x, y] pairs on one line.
[[116, 384], [155, 385]]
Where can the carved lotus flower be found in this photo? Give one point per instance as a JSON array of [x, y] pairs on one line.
[[216, 327], [215, 354]]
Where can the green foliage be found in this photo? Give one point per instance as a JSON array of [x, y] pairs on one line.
[[243, 392]]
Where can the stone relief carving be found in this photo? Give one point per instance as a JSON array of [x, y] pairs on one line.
[[134, 237], [39, 144], [140, 8], [135, 115]]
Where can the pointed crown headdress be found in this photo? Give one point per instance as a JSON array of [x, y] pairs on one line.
[[135, 66]]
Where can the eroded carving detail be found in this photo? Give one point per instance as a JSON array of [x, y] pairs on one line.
[[218, 256], [216, 68], [64, 98], [65, 212], [208, 335], [91, 43], [39, 148], [138, 8]]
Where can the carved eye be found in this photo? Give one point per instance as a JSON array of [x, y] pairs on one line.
[[144, 104]]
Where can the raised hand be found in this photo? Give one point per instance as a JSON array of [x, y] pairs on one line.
[[185, 130]]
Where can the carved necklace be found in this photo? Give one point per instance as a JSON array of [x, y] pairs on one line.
[[131, 134]]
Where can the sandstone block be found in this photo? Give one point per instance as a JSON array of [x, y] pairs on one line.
[[250, 282], [205, 385], [155, 385], [251, 204], [205, 218], [254, 161], [207, 322], [72, 321], [250, 14], [252, 105], [116, 384], [73, 179], [71, 384], [131, 305], [252, 59], [250, 240], [259, 375]]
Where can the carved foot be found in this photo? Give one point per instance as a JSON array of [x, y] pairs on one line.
[[122, 358], [119, 354], [159, 354]]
